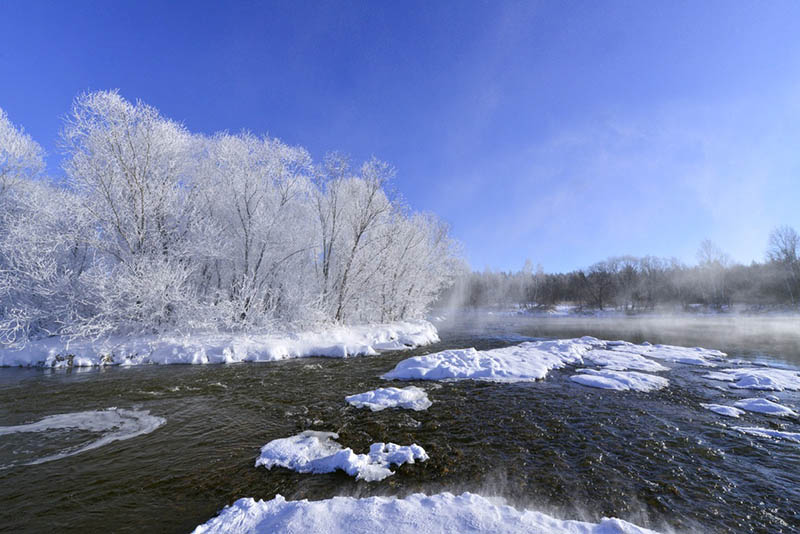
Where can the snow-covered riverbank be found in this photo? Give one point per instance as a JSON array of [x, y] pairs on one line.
[[335, 342]]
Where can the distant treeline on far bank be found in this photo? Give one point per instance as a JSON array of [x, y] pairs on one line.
[[641, 284]]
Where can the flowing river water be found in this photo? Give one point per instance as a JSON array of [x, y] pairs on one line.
[[656, 459]]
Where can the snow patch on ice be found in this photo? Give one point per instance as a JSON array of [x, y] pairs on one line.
[[317, 452], [728, 411], [335, 342], [415, 514], [619, 380], [765, 406], [769, 433], [411, 398], [758, 378], [116, 424]]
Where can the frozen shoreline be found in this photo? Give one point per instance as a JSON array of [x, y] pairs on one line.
[[213, 348]]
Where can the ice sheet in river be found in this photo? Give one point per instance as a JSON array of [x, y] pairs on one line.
[[317, 452], [619, 380], [535, 359], [758, 378], [721, 409], [114, 424], [415, 514], [764, 406], [411, 398], [769, 433]]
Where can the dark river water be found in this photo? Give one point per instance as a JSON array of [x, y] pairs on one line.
[[655, 459]]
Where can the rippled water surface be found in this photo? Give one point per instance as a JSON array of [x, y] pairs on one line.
[[656, 459]]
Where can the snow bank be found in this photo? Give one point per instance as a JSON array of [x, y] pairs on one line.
[[416, 514], [728, 411], [619, 380], [411, 398], [769, 433], [337, 342], [758, 378], [765, 406], [317, 452], [114, 424]]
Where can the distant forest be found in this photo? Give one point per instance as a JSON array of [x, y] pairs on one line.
[[634, 284]]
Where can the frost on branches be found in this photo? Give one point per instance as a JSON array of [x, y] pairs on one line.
[[157, 229]]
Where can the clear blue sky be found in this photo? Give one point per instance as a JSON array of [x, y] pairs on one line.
[[564, 132]]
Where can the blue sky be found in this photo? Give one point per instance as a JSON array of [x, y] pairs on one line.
[[563, 132]]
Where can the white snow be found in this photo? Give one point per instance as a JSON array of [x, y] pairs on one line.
[[728, 411], [758, 378], [764, 406], [337, 342], [619, 380], [115, 424], [769, 433], [317, 452], [411, 398], [415, 514]]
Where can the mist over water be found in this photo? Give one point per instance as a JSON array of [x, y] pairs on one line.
[[656, 459]]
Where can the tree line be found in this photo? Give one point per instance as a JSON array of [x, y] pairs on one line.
[[155, 228], [634, 284]]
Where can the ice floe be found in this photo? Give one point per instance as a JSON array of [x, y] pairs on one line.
[[769, 433], [619, 380], [721, 409], [533, 360], [467, 513], [410, 398], [764, 406], [758, 378], [114, 425], [317, 452], [337, 342]]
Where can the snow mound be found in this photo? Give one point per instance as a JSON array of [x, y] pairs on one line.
[[524, 362], [411, 398], [769, 433], [317, 452], [758, 378], [415, 514], [765, 406], [728, 411], [335, 342], [619, 380], [114, 424]]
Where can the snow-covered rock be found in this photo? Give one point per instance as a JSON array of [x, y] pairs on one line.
[[764, 406], [410, 398], [336, 342], [619, 380], [758, 378], [415, 514], [317, 452], [769, 433], [721, 409], [675, 354]]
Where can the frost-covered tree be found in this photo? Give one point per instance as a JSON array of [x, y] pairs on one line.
[[159, 230]]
